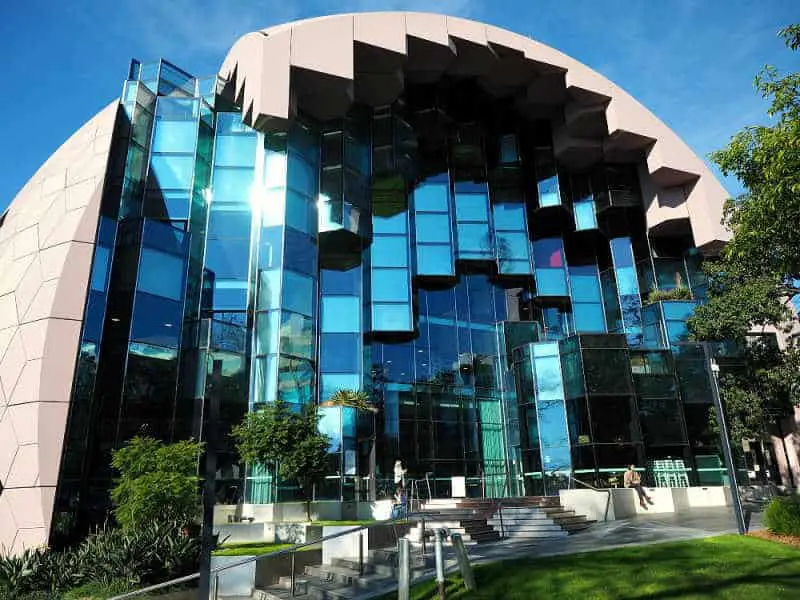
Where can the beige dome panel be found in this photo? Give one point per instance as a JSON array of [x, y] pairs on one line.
[[46, 248], [600, 120]]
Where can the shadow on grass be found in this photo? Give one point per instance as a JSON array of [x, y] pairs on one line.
[[722, 567]]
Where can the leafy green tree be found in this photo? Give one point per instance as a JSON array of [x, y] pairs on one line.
[[288, 441], [757, 274], [157, 482]]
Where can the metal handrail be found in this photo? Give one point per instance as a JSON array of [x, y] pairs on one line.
[[591, 487], [256, 558]]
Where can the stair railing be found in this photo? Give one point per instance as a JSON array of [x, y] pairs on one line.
[[215, 573], [598, 490]]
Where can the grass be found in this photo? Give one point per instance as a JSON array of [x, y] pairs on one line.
[[730, 567], [334, 523], [255, 549]]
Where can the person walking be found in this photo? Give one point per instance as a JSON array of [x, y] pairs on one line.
[[399, 473], [633, 480]]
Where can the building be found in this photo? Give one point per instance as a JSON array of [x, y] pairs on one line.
[[465, 223]]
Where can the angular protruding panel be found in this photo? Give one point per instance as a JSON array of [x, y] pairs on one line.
[[45, 257]]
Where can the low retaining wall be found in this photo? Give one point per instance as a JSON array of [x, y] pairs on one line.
[[243, 580], [624, 503]]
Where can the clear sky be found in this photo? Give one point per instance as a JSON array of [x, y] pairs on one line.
[[691, 62]]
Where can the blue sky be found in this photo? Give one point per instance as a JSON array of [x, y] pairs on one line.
[[691, 62]]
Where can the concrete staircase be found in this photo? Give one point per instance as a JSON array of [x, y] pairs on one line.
[[482, 520], [478, 521], [342, 580]]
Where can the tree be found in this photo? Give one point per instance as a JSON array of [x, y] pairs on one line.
[[158, 482], [757, 274], [288, 441]]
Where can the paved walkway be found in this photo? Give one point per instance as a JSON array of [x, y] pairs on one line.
[[643, 529]]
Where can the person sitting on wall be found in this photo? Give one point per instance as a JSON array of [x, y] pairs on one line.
[[633, 480]]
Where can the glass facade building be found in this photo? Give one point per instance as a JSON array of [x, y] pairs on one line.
[[432, 252]]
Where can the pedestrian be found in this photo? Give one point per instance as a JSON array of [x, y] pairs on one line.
[[399, 473], [633, 480]]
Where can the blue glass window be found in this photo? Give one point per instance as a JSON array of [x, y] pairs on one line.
[[270, 248], [156, 320], [267, 332], [301, 213], [235, 151], [345, 283], [228, 123], [584, 215], [509, 217], [434, 260], [548, 252], [301, 252], [394, 224], [299, 293], [229, 294], [229, 223], [472, 207], [390, 285], [432, 197], [228, 259], [512, 245], [174, 136], [301, 177], [269, 289], [474, 238], [548, 192], [589, 318], [391, 317], [330, 383], [341, 314], [508, 149], [340, 352], [297, 335], [232, 185], [584, 283], [170, 172], [433, 228], [390, 251], [100, 268], [161, 274]]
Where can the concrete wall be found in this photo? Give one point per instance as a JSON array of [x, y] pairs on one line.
[[624, 503]]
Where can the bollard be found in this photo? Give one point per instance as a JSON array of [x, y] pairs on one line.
[[463, 562], [439, 540], [404, 576], [291, 578], [360, 553]]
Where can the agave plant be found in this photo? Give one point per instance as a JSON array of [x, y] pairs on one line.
[[21, 573]]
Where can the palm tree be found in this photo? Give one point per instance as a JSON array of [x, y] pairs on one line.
[[359, 400], [352, 399]]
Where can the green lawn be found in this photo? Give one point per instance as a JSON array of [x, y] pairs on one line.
[[719, 567], [255, 549]]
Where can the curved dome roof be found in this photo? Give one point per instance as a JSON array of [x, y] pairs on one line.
[[324, 64]]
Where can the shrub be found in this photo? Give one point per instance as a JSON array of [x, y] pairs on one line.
[[157, 482], [151, 554], [99, 590], [783, 516]]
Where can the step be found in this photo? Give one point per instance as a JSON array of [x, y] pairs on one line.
[[524, 534], [575, 527], [531, 526], [347, 576]]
